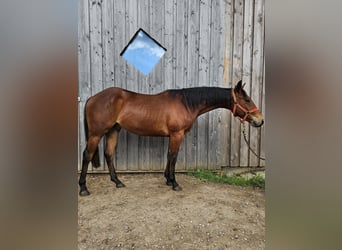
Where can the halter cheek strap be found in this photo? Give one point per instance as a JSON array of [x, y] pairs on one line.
[[237, 105]]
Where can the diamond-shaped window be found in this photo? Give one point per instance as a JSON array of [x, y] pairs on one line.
[[143, 52]]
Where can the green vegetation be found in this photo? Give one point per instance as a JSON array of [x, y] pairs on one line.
[[206, 175]]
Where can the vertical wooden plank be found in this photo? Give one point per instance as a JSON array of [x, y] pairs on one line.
[[190, 141], [237, 70], [108, 48], [262, 163], [165, 141], [169, 41], [263, 153], [108, 43], [257, 76], [157, 84], [226, 119], [169, 57], [247, 70], [216, 79], [180, 59], [131, 81], [179, 27], [120, 74], [203, 76], [95, 10], [84, 84], [143, 86], [157, 32], [144, 15]]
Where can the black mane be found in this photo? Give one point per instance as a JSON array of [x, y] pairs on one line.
[[210, 96]]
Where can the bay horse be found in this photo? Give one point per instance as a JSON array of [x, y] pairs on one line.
[[170, 114]]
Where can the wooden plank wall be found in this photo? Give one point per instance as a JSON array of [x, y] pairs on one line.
[[208, 42]]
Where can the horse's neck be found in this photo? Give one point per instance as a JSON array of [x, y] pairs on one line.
[[206, 109], [223, 102]]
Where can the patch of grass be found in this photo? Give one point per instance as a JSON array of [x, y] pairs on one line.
[[206, 175]]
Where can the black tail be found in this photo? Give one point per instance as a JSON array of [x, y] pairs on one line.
[[96, 158]]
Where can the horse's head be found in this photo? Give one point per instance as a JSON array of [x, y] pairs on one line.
[[244, 107]]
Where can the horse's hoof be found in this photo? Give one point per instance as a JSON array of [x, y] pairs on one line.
[[169, 183], [177, 188], [120, 185], [84, 192]]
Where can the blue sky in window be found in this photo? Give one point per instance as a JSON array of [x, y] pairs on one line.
[[143, 53]]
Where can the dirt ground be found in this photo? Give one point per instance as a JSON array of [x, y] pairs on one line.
[[147, 214]]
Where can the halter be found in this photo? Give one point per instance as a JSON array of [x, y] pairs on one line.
[[237, 105]]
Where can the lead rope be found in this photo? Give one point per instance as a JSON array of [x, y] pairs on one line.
[[249, 147]]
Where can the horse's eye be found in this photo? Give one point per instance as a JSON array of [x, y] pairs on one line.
[[248, 100]]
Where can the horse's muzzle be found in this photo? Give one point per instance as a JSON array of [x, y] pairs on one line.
[[257, 124]]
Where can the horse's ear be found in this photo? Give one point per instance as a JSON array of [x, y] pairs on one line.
[[238, 86]]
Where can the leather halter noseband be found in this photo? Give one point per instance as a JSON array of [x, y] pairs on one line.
[[237, 105]]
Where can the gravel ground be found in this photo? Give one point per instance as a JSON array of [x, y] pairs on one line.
[[147, 214]]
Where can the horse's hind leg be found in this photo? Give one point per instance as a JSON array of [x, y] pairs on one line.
[[88, 154], [96, 158], [111, 142]]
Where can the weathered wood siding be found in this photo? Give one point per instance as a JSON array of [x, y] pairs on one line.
[[208, 42]]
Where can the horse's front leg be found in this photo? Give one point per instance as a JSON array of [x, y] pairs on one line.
[[174, 144], [167, 172], [171, 158]]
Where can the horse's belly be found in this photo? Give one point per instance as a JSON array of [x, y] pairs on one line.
[[145, 128]]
